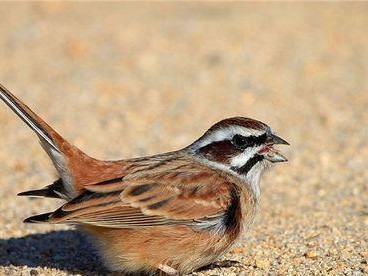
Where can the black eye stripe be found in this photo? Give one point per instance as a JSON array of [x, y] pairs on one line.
[[249, 141], [240, 141]]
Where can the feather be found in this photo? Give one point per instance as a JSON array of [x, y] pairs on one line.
[[75, 168], [160, 197], [28, 116], [55, 190]]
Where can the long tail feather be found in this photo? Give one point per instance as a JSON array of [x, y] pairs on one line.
[[58, 149], [42, 218], [27, 115], [46, 192], [75, 168], [55, 190]]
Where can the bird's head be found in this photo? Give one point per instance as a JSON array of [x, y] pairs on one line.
[[242, 146]]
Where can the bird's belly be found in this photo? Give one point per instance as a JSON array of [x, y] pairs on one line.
[[144, 249]]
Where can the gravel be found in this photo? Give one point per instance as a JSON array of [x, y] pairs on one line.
[[129, 79]]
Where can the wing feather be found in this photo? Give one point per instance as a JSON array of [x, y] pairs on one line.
[[182, 196]]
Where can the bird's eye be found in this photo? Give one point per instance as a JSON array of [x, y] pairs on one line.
[[239, 141]]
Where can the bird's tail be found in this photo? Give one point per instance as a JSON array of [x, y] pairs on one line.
[[75, 168]]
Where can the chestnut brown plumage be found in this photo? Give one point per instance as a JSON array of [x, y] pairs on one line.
[[174, 212]]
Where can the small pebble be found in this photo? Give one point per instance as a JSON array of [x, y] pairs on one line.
[[312, 254]]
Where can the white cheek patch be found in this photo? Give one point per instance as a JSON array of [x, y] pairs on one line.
[[241, 159]]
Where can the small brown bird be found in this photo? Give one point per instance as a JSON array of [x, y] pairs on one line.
[[173, 212]]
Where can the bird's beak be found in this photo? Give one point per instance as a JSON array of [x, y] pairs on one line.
[[272, 154], [275, 140]]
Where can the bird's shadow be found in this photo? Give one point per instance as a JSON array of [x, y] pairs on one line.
[[67, 250]]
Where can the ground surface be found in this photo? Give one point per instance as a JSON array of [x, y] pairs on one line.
[[122, 80]]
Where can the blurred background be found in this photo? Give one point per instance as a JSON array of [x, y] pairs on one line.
[[128, 79]]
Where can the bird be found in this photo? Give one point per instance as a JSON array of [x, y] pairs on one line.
[[173, 212]]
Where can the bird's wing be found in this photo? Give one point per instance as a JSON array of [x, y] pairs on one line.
[[176, 193]]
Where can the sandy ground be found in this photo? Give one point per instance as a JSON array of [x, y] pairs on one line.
[[122, 80]]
